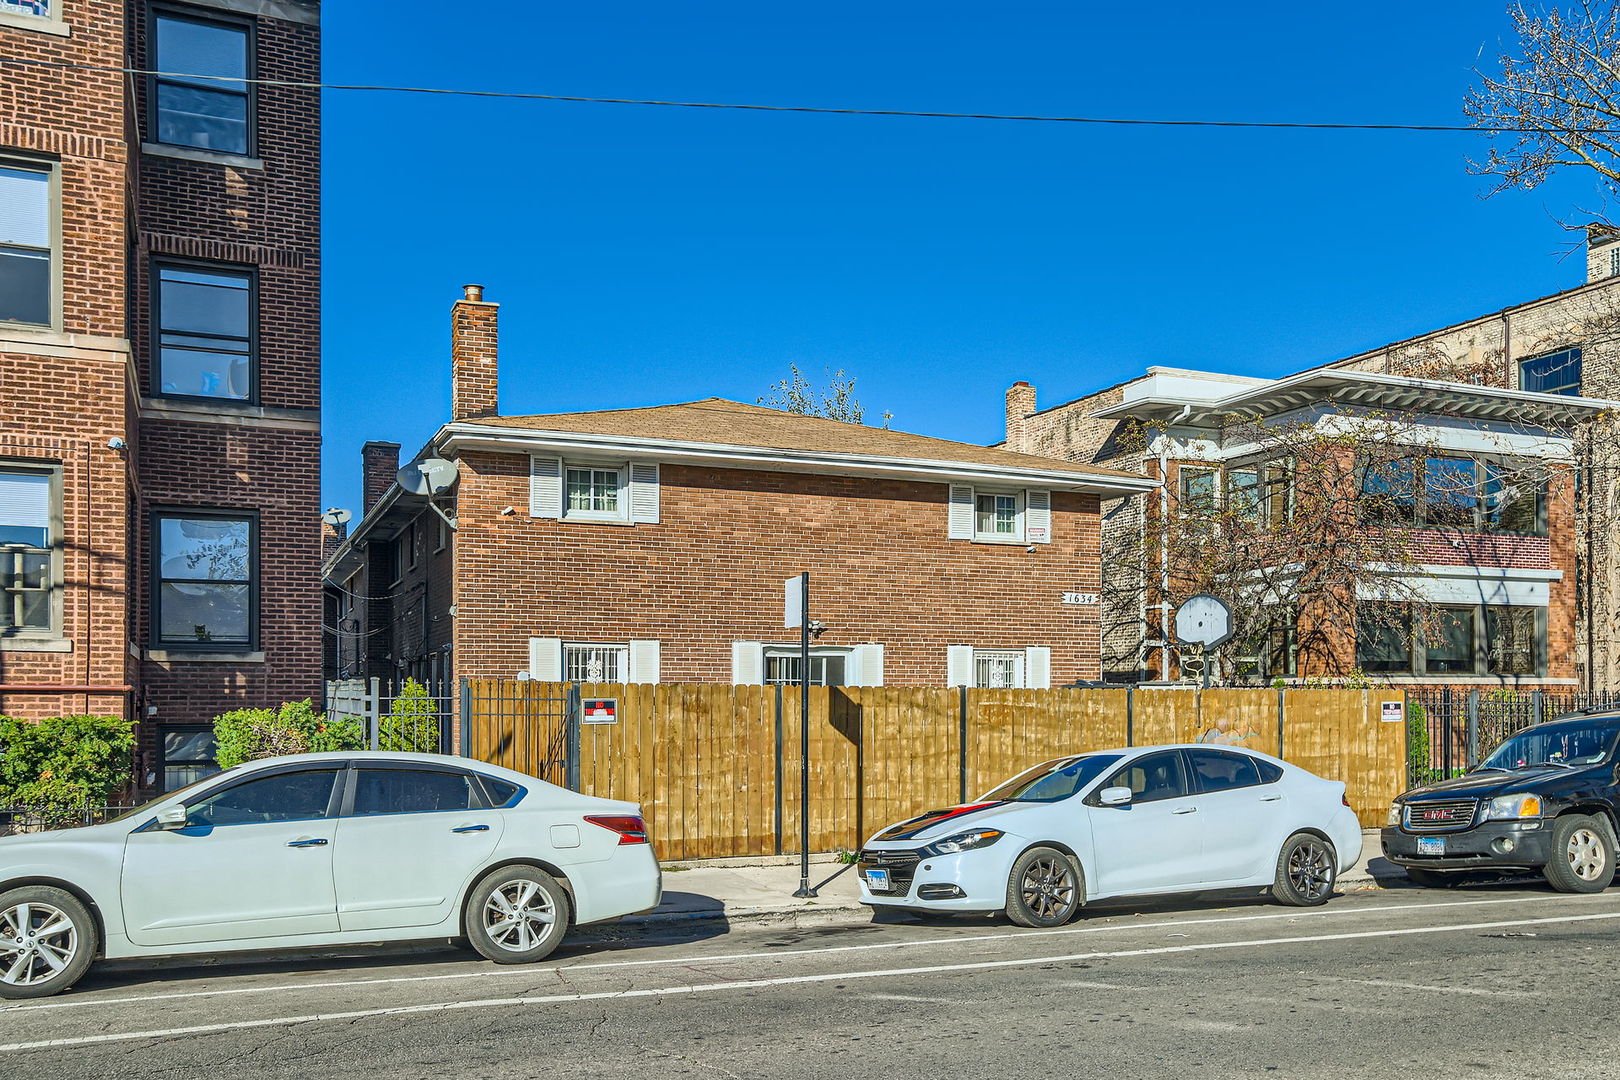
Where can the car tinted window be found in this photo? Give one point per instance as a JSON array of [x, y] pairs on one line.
[[1151, 778], [500, 791], [1269, 773], [1215, 770], [291, 796], [411, 791]]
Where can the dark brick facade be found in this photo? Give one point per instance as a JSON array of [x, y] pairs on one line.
[[68, 390]]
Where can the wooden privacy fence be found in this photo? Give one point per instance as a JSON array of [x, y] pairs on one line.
[[716, 768]]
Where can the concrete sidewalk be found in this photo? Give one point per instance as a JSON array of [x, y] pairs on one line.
[[761, 890]]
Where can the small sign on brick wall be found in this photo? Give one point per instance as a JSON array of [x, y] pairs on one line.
[[1087, 599]]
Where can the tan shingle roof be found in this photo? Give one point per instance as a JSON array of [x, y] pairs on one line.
[[732, 423]]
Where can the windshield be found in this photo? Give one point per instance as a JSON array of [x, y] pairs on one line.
[[1053, 780], [1586, 742], [147, 807]]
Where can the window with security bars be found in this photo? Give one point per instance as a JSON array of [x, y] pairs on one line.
[[826, 668], [596, 663], [594, 492], [1000, 669], [27, 583]]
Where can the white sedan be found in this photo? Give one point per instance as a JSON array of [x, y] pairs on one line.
[[323, 849], [1142, 821]]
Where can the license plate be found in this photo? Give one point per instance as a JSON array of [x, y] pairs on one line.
[[1431, 845], [877, 880]]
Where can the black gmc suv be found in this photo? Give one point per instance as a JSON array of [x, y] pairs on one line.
[[1548, 799]]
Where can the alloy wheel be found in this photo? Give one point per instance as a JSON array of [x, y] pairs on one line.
[[1587, 857], [518, 915], [37, 943], [1310, 869], [1048, 887]]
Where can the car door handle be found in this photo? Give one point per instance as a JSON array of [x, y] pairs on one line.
[[471, 828], [1186, 810], [308, 841], [1271, 798]]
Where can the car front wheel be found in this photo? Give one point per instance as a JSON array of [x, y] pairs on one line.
[[1582, 855], [47, 941], [1045, 888], [516, 915], [1307, 867]]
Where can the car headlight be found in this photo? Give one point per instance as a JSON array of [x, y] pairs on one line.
[[966, 841], [1508, 807], [1395, 811]]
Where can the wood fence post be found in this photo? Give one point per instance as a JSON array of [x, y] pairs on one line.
[[778, 826], [1130, 715], [1282, 713], [962, 742]]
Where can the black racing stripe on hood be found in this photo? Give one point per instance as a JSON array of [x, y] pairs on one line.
[[908, 829]]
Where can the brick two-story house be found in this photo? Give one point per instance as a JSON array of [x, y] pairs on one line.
[[159, 364], [651, 545]]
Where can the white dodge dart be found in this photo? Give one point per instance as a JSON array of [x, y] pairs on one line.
[[1147, 820], [323, 849]]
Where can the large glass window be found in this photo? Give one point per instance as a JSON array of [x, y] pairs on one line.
[[1198, 487], [1512, 640], [412, 791], [197, 101], [1513, 504], [205, 331], [290, 796], [1448, 642], [1389, 492], [1555, 373], [1454, 493], [1450, 492], [1383, 638], [27, 583], [26, 275], [827, 667], [205, 580], [1270, 652]]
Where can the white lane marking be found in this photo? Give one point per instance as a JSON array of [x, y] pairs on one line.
[[510, 972], [758, 984], [1395, 985]]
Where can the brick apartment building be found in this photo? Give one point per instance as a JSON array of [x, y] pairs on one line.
[[159, 365], [651, 545], [1509, 386]]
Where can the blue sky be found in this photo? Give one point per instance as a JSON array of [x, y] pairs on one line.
[[647, 255]]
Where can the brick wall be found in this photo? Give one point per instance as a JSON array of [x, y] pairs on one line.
[[711, 572]]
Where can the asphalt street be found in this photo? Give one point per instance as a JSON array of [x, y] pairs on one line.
[[1485, 981]]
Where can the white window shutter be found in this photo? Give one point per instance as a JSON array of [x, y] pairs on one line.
[[644, 492], [1038, 667], [545, 487], [959, 665], [747, 663], [1038, 516], [961, 512], [868, 665], [644, 657], [545, 659]]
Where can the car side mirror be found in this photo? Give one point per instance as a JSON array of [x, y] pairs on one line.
[[171, 818], [1114, 796]]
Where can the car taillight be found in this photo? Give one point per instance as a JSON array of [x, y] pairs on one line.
[[1345, 798], [631, 830]]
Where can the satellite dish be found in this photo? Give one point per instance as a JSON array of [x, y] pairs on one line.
[[1204, 620], [429, 476], [337, 516]]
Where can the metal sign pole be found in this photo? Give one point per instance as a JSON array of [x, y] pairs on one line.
[[804, 888]]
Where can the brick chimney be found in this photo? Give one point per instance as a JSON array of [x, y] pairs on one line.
[[1602, 252], [1020, 404], [474, 368], [379, 461]]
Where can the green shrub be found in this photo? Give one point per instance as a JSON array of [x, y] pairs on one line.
[[412, 723], [65, 760], [297, 727]]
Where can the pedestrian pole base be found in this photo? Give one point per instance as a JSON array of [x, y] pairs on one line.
[[804, 890]]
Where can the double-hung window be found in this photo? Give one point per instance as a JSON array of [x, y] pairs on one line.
[[204, 322], [199, 98], [27, 251], [205, 577], [998, 515], [1555, 373], [594, 492], [27, 552]]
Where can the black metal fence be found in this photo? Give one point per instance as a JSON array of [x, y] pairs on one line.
[[32, 819], [1449, 731]]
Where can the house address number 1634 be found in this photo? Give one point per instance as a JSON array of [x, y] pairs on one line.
[[1087, 598]]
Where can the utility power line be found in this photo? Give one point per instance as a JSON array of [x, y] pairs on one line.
[[1117, 121]]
